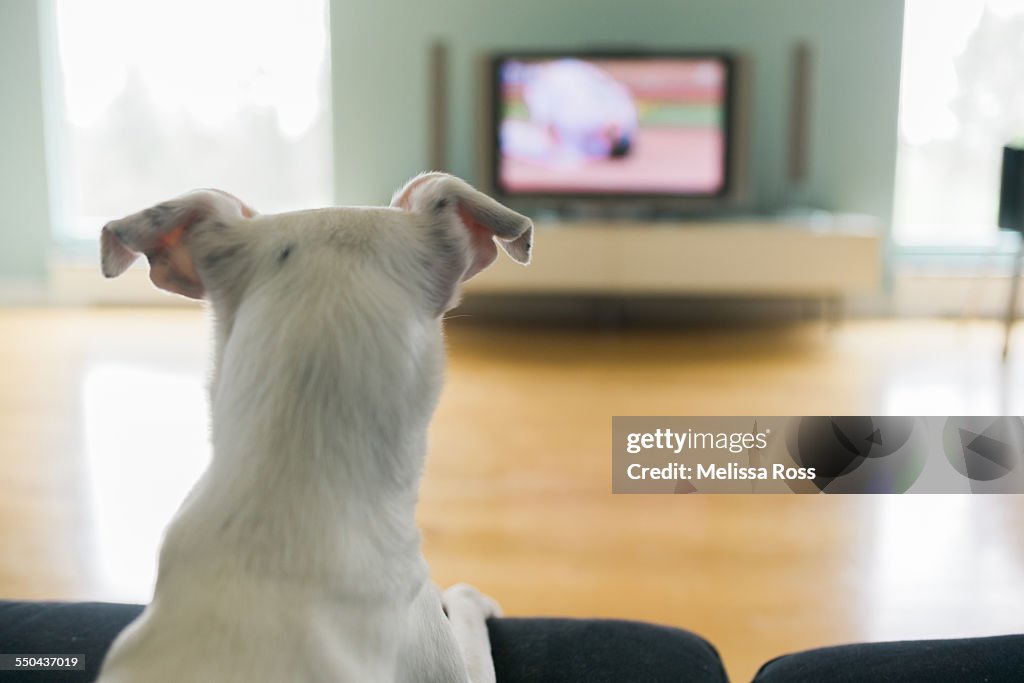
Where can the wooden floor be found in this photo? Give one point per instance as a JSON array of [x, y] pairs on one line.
[[102, 429]]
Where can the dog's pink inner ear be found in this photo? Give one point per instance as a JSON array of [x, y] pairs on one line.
[[482, 246], [171, 266], [172, 238]]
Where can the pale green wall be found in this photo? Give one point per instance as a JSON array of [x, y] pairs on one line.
[[24, 203], [379, 64], [380, 49]]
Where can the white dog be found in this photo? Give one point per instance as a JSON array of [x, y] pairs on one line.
[[296, 556]]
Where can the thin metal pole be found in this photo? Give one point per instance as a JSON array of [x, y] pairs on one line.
[[1011, 312]]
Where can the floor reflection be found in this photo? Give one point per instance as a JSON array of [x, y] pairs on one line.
[[138, 470], [938, 566], [986, 389]]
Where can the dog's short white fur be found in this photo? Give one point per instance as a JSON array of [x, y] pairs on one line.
[[296, 556]]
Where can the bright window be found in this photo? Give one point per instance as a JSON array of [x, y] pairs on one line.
[[961, 100], [157, 98]]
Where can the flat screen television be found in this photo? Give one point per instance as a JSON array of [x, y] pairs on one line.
[[657, 128]]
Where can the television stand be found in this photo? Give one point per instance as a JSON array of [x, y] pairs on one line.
[[820, 257]]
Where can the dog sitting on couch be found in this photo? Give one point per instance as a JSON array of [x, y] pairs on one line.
[[296, 556]]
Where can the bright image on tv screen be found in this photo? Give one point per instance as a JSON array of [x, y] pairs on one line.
[[618, 126]]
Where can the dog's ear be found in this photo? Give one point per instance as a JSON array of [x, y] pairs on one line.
[[486, 220], [160, 232]]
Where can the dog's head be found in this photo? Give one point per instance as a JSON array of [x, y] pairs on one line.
[[357, 285], [438, 232]]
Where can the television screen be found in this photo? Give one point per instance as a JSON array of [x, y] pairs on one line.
[[651, 125]]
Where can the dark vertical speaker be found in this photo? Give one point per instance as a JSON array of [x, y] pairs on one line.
[[1011, 217], [437, 106], [1011, 190], [798, 150]]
